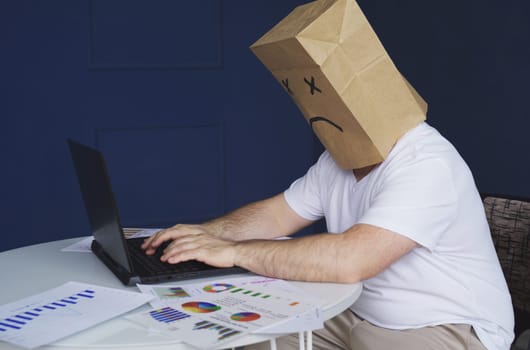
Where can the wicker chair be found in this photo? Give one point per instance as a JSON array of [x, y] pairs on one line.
[[509, 221]]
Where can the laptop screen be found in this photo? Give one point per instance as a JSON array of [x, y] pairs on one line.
[[99, 201]]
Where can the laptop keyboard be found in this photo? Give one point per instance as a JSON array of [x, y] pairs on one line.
[[152, 264]]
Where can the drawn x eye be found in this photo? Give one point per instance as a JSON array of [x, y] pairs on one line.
[[312, 85], [286, 84]]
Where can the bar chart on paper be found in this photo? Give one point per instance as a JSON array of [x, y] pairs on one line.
[[222, 331], [251, 293], [187, 327], [49, 316], [60, 307], [167, 315]]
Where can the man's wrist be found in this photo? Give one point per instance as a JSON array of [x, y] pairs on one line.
[[212, 228], [238, 247]]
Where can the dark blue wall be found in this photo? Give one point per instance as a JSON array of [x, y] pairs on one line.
[[471, 61], [193, 125]]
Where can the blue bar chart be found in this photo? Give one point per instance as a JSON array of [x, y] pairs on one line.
[[18, 321], [167, 315], [54, 314]]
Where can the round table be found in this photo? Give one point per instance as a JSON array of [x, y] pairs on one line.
[[34, 269]]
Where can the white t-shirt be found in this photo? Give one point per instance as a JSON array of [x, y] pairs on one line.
[[424, 191]]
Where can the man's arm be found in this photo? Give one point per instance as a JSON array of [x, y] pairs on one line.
[[358, 253], [266, 219]]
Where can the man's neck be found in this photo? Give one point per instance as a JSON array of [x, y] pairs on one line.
[[362, 172]]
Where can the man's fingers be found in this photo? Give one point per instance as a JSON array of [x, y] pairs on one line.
[[185, 255], [153, 242], [178, 246], [200, 247], [191, 242], [149, 241]]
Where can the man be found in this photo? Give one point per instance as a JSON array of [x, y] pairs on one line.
[[403, 213]]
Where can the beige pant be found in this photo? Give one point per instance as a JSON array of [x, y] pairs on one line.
[[347, 331]]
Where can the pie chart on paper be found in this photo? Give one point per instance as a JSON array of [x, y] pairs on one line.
[[200, 307], [218, 287], [245, 316]]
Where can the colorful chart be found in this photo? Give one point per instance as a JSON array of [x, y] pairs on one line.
[[200, 307], [167, 315], [222, 331], [250, 293], [245, 316], [20, 320], [217, 287], [171, 292]]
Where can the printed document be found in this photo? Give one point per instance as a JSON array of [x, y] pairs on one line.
[[49, 316]]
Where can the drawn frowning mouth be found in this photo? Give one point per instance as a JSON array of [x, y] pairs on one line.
[[322, 119]]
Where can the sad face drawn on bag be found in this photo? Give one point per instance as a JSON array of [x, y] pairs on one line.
[[313, 88], [329, 117]]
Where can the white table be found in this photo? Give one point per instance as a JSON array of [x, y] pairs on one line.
[[34, 269]]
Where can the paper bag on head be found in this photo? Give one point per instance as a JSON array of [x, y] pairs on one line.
[[328, 58]]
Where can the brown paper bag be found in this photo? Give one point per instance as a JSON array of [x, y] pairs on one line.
[[328, 58]]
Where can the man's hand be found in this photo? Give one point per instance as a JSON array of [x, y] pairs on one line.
[[192, 242]]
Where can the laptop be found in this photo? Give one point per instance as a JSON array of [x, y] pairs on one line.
[[122, 256]]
